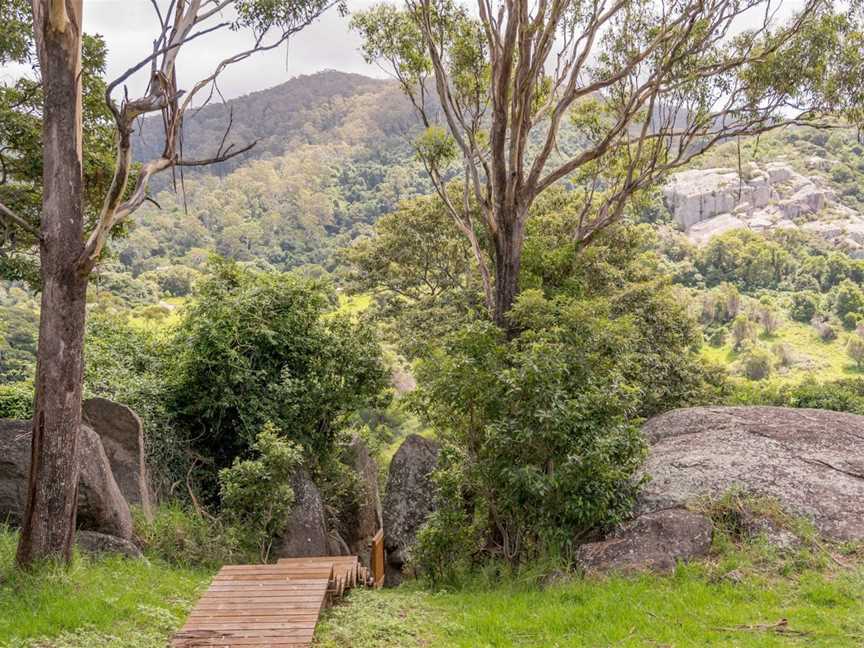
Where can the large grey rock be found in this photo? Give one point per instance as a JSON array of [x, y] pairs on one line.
[[100, 543], [653, 541], [101, 506], [811, 461], [705, 230], [122, 435], [362, 523], [700, 194], [709, 202], [306, 531], [408, 501]]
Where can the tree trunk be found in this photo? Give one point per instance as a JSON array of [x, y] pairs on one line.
[[48, 527], [508, 259]]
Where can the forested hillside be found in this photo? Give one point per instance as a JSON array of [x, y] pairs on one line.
[[333, 152]]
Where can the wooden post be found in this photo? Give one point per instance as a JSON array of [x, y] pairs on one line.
[[377, 559]]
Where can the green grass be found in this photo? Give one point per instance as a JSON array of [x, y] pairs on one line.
[[748, 593], [818, 360], [112, 602], [737, 598], [690, 608]]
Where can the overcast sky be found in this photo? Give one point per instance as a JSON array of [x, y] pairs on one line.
[[129, 27]]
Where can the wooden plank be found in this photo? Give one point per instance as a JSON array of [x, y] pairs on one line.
[[267, 605], [348, 566]]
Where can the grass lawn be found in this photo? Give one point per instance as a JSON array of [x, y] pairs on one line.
[[726, 602], [738, 598], [108, 603]]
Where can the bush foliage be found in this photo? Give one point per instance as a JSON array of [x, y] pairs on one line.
[[258, 347], [256, 492]]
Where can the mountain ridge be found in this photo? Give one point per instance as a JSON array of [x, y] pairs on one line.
[[333, 154], [277, 118]]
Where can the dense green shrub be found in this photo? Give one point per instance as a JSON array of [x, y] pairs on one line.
[[174, 280], [16, 400], [256, 492], [768, 316], [747, 259], [852, 320], [855, 349], [743, 331], [260, 347], [848, 299], [845, 395], [132, 365], [542, 422], [757, 363], [716, 336], [805, 305], [129, 290], [722, 304], [451, 538]]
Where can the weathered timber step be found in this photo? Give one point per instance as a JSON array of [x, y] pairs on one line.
[[272, 606]]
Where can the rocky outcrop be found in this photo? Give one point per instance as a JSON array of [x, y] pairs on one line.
[[811, 461], [305, 533], [101, 505], [653, 541], [708, 202], [122, 436], [701, 194], [99, 543], [704, 231], [408, 501], [363, 523]]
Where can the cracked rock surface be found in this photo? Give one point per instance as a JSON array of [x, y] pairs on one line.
[[812, 461], [708, 202]]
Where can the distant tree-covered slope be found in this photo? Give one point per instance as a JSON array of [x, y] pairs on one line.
[[334, 152], [308, 109]]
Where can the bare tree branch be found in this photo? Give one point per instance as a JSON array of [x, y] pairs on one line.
[[183, 22], [14, 218]]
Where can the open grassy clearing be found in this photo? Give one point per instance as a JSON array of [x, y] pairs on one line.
[[812, 358], [738, 598], [686, 609]]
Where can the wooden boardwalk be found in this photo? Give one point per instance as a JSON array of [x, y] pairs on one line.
[[271, 605]]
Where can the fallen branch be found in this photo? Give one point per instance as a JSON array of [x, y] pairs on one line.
[[780, 627]]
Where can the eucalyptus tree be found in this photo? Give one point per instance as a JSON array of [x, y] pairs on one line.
[[69, 249], [21, 100], [606, 96]]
